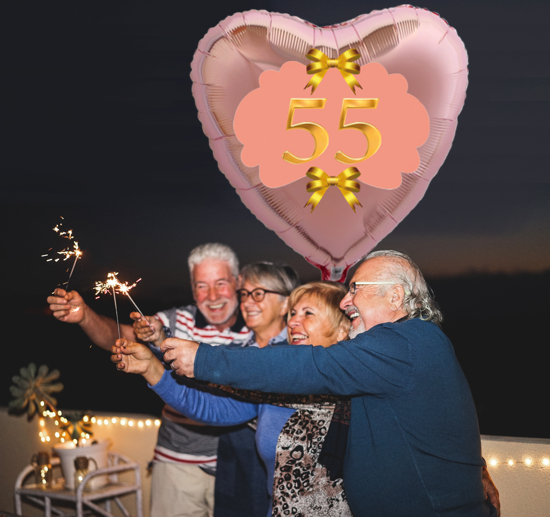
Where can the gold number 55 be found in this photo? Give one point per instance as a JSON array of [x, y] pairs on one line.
[[320, 134]]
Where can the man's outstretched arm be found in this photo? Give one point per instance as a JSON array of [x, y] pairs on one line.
[[71, 308]]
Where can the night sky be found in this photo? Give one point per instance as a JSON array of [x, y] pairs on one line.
[[99, 126]]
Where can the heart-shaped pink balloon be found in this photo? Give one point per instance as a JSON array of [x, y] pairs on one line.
[[409, 41]]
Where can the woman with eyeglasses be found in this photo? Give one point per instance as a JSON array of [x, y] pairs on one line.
[[300, 439]]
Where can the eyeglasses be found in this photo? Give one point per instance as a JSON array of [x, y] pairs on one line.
[[257, 294], [353, 285]]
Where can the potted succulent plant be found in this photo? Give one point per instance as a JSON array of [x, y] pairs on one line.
[[33, 392]]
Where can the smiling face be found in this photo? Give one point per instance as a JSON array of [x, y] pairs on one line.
[[215, 291], [309, 324], [265, 318], [367, 308]]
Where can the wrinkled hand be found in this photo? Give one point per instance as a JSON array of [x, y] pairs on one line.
[[67, 307], [133, 357], [491, 490], [148, 329], [180, 353]]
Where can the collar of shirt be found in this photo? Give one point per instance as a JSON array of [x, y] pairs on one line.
[[281, 336]]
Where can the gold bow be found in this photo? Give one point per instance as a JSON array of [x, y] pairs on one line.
[[322, 63], [322, 181]]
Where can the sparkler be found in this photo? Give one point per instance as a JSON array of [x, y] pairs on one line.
[[114, 285], [67, 252]]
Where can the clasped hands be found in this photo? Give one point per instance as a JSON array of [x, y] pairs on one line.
[[134, 357]]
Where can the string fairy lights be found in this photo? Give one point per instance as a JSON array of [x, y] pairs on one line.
[[528, 461], [64, 436]]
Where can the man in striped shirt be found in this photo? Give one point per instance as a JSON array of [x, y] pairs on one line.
[[185, 456]]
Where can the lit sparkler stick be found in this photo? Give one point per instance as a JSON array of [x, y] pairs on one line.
[[105, 287], [67, 252], [123, 288]]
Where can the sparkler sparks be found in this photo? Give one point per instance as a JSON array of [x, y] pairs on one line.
[[114, 285], [68, 252]]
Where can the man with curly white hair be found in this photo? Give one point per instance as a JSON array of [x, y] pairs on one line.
[[413, 447]]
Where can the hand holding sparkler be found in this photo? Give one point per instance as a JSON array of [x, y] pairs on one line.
[[67, 307], [148, 329], [133, 357]]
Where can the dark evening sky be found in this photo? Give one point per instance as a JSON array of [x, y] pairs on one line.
[[99, 126]]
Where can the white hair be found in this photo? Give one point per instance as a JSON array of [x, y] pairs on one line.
[[419, 300], [213, 251]]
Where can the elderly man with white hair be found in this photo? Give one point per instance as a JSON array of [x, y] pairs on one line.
[[186, 452], [413, 447]]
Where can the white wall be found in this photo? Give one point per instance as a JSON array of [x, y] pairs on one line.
[[524, 485], [524, 488], [19, 440]]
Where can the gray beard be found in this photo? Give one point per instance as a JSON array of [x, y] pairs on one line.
[[354, 332]]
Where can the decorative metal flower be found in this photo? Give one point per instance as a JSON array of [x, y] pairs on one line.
[[32, 387]]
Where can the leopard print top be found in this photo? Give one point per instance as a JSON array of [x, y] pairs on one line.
[[301, 485]]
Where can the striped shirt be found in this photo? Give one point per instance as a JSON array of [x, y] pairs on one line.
[[181, 440]]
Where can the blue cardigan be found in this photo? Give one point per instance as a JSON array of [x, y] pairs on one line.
[[414, 447]]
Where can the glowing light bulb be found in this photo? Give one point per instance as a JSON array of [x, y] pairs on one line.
[[123, 421], [42, 403], [510, 462], [131, 423], [140, 424], [113, 420], [147, 422], [106, 422], [99, 422], [42, 439], [42, 423], [493, 462], [86, 418], [157, 423], [528, 462], [93, 420], [545, 462]]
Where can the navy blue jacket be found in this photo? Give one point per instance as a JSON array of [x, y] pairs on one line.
[[414, 447]]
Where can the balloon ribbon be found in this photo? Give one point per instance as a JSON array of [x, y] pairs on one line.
[[322, 181], [322, 63]]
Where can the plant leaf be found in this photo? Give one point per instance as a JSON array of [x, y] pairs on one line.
[[52, 376], [52, 388], [42, 371], [16, 392]]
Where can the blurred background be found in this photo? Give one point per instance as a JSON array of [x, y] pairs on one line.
[[99, 126]]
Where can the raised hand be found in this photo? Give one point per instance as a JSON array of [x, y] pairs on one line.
[[133, 357], [149, 329], [180, 353], [67, 307]]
